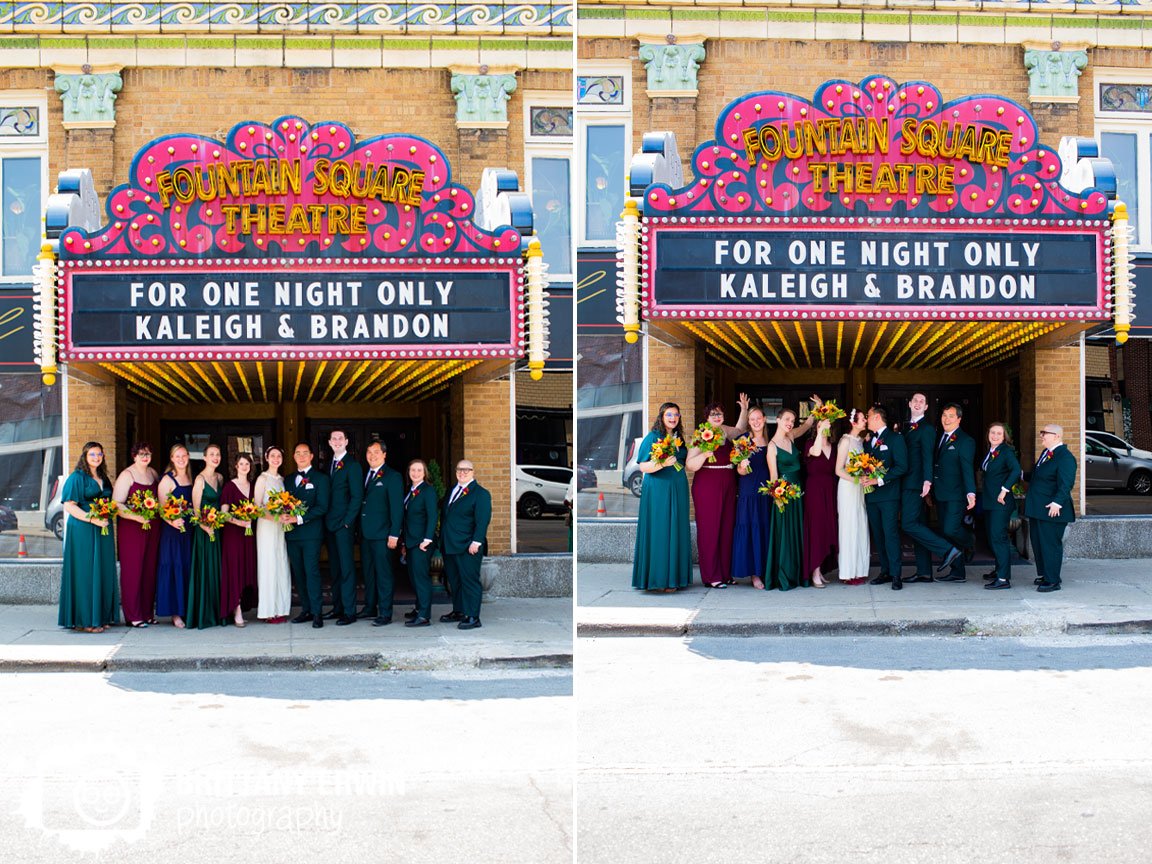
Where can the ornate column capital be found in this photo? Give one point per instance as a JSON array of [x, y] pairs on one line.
[[672, 66], [1054, 70], [482, 97], [89, 95]]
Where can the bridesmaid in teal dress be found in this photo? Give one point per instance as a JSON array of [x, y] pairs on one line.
[[663, 557], [785, 568], [89, 592], [204, 580]]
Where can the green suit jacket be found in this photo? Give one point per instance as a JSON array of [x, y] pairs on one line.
[[954, 478], [1052, 483], [919, 438], [891, 450], [316, 497], [1002, 473], [347, 492], [421, 515], [465, 521], [382, 511]]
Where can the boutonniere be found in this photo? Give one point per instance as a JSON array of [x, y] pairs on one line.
[[913, 426], [340, 465], [952, 438], [994, 454], [464, 491], [416, 491]]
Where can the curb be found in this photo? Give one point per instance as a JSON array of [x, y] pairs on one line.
[[370, 662], [937, 627]]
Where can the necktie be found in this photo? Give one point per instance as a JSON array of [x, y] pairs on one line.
[[1044, 457], [987, 459], [372, 475], [455, 495], [409, 495], [335, 465]]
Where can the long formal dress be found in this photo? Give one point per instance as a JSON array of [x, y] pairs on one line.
[[273, 574], [853, 522], [820, 533], [174, 561], [88, 589], [786, 545], [714, 494], [753, 519], [663, 556], [237, 557], [139, 552], [204, 579]]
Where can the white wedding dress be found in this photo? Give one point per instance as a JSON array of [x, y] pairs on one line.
[[853, 518], [273, 574]]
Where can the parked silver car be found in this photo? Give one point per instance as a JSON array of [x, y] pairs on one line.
[[54, 512], [541, 489], [1115, 442], [632, 477], [1112, 469]]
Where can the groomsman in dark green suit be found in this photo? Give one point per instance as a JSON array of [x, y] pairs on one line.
[[347, 479], [304, 540], [1001, 471], [954, 488], [421, 514], [920, 438], [381, 517], [1048, 506], [883, 502], [463, 536]]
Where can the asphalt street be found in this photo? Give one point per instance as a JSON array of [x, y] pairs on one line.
[[273, 767], [894, 750]]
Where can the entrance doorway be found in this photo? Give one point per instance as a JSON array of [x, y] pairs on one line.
[[970, 398], [233, 436]]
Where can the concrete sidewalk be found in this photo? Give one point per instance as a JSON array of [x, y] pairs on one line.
[[1098, 596], [516, 633]]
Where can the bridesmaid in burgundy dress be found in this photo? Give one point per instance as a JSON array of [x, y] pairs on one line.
[[237, 550], [821, 534], [714, 496], [138, 548]]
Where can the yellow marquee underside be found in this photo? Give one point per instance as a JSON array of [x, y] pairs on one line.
[[864, 344], [181, 382]]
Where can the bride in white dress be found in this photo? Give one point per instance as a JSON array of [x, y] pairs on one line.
[[853, 516], [273, 574]]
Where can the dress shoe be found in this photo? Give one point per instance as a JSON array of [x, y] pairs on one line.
[[919, 577], [418, 622], [468, 623], [411, 615], [998, 585], [989, 576], [952, 577], [952, 555], [302, 618], [1039, 580], [328, 616], [366, 613], [451, 616], [381, 620], [317, 622], [897, 584], [882, 579], [345, 620], [1046, 587]]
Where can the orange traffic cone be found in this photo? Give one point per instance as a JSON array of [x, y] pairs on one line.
[[22, 551], [600, 511]]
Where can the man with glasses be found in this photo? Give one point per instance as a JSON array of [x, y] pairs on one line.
[[1048, 506], [463, 537]]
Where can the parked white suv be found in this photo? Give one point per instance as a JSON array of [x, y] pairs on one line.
[[541, 489]]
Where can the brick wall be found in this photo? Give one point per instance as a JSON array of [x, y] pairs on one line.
[[96, 413], [487, 442], [1138, 389], [554, 390], [1050, 382]]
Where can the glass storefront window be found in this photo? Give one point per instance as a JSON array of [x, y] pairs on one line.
[[604, 154], [551, 201], [20, 179], [1122, 149], [30, 466]]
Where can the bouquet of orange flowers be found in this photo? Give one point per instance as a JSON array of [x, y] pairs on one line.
[[284, 503], [176, 507], [665, 447], [742, 450], [864, 466], [708, 437], [828, 411], [146, 505], [212, 518], [781, 492], [246, 511], [104, 508]]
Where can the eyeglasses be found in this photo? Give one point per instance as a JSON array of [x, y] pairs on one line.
[[1042, 434], [465, 470]]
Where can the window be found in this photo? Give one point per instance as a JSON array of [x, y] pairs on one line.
[[604, 137], [23, 183], [1124, 129], [548, 168]]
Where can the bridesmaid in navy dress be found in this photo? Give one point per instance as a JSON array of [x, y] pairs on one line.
[[821, 535], [175, 559], [753, 510], [714, 494]]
